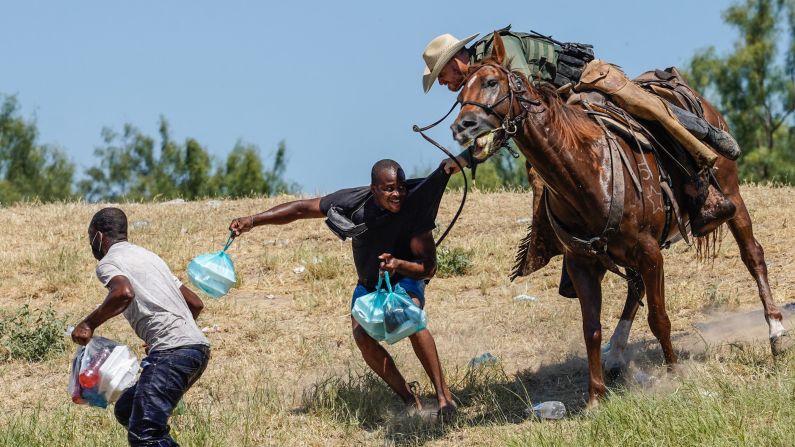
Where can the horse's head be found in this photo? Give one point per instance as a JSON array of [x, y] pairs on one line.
[[487, 103]]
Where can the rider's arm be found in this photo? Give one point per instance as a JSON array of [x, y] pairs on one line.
[[279, 215], [515, 57]]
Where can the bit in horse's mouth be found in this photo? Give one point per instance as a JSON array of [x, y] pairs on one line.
[[487, 143]]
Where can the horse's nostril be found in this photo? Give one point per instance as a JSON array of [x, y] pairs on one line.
[[468, 123]]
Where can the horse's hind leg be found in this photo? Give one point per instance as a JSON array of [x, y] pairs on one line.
[[587, 274], [614, 361], [754, 258], [652, 272]]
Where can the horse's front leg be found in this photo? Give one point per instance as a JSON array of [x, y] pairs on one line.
[[614, 361], [586, 275], [650, 262]]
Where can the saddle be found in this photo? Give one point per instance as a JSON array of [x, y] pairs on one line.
[[541, 243]]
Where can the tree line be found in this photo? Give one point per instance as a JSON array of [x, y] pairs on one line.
[[130, 165]]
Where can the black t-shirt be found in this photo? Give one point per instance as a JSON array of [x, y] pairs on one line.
[[388, 232]]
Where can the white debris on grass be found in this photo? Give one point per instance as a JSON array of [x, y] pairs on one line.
[[139, 224], [523, 220], [524, 297], [214, 329], [214, 203], [174, 202], [483, 359], [300, 269]]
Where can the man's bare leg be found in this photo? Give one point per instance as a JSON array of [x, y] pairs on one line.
[[382, 363], [425, 349]]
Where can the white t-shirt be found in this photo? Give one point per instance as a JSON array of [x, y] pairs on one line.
[[158, 314]]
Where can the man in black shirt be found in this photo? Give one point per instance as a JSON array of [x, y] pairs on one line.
[[390, 224]]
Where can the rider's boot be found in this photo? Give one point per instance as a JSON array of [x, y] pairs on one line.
[[719, 140], [707, 206], [723, 142]]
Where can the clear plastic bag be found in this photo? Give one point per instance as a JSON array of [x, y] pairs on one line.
[[101, 371], [388, 315], [213, 273]]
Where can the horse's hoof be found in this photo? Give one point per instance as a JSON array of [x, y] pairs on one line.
[[781, 343]]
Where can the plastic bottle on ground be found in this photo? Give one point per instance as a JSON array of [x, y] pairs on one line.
[[550, 410]]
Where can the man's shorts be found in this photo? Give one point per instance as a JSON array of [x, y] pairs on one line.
[[414, 287]]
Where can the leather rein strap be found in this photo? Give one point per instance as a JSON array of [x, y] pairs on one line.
[[421, 131]]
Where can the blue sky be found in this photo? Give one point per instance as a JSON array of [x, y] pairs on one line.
[[339, 81]]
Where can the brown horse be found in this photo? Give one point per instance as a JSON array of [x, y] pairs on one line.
[[589, 194]]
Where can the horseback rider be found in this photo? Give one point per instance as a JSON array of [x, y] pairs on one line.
[[571, 66]]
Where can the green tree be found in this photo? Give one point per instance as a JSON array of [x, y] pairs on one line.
[[29, 170], [134, 166], [501, 171], [754, 86], [244, 173]]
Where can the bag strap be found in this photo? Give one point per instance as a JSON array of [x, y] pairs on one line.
[[229, 241], [381, 280]]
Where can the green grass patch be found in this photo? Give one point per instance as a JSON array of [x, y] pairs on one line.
[[31, 335], [454, 261]]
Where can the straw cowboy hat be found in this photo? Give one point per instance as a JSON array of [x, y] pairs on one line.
[[438, 53]]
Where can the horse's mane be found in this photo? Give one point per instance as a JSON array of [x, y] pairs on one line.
[[570, 126]]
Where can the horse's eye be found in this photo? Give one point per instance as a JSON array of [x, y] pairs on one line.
[[492, 83]]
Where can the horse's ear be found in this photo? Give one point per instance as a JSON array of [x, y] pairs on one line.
[[498, 49]]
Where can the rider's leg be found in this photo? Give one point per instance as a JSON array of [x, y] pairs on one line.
[[707, 206], [717, 139]]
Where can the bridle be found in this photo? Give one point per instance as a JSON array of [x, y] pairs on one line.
[[510, 124], [515, 95]]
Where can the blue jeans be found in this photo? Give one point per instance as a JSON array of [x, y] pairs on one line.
[[411, 286], [144, 408]]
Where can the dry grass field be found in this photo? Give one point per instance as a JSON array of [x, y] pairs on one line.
[[285, 370]]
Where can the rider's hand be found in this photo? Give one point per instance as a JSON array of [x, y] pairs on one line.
[[82, 333], [241, 225], [389, 263]]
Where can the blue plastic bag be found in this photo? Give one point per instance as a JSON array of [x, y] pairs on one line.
[[388, 315], [213, 273], [368, 311], [401, 316]]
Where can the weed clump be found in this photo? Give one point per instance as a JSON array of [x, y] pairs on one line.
[[31, 335], [454, 261]]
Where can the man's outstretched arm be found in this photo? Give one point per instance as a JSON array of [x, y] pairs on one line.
[[120, 295], [278, 215]]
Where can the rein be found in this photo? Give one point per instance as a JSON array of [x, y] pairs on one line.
[[421, 131]]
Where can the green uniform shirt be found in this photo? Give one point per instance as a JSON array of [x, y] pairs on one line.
[[532, 57]]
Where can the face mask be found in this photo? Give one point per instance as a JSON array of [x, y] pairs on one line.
[[97, 250]]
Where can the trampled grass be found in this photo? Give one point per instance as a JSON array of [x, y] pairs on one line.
[[285, 370]]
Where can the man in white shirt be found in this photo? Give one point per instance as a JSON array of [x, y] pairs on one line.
[[162, 311]]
